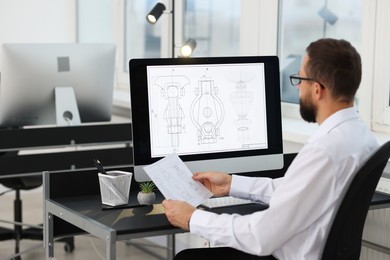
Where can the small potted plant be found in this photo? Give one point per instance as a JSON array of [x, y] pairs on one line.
[[146, 196]]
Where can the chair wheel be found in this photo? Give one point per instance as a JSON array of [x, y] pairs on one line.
[[68, 247]]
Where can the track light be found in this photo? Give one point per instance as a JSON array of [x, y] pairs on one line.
[[188, 47], [155, 13]]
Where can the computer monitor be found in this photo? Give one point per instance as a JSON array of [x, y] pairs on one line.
[[56, 83], [217, 114]]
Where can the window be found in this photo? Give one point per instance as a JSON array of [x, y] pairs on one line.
[[380, 85], [214, 25], [142, 39], [302, 22]]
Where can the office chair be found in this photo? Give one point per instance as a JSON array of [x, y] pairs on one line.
[[345, 235], [18, 233], [32, 232]]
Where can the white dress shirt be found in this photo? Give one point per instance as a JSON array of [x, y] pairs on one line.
[[302, 202]]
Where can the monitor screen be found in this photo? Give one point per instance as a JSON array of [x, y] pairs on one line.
[[55, 83], [217, 114]]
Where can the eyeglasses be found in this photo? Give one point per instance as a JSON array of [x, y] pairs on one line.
[[295, 80]]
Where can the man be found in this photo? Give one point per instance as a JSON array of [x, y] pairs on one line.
[[301, 203]]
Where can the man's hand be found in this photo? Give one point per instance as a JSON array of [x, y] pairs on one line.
[[178, 213], [216, 182]]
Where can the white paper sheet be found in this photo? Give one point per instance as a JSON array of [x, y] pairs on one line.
[[174, 180]]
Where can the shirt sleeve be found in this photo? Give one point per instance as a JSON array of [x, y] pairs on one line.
[[256, 189], [298, 199]]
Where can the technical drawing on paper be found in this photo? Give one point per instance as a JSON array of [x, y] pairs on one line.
[[173, 89], [207, 111]]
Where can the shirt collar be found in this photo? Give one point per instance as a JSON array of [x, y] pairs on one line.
[[333, 121]]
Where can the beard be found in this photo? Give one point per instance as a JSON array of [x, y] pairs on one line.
[[307, 110]]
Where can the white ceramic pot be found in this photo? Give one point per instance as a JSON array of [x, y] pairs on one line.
[[146, 198]]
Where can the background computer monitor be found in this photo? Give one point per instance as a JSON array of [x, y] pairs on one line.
[[38, 80], [217, 114]]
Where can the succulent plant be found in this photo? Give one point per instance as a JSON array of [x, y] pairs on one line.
[[147, 187]]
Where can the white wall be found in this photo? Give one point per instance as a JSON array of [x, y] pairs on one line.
[[37, 21]]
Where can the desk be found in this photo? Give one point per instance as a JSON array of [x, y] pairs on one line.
[[83, 209], [33, 150], [73, 206], [380, 201]]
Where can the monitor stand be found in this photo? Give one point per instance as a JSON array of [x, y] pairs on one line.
[[67, 112]]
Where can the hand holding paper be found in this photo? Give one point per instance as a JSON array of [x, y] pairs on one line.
[[174, 180]]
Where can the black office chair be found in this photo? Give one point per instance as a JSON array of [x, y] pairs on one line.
[[19, 232], [345, 235], [22, 230]]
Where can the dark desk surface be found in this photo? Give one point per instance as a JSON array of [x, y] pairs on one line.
[[143, 219], [135, 219], [79, 191], [139, 219]]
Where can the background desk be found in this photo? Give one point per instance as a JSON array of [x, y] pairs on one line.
[[33, 150]]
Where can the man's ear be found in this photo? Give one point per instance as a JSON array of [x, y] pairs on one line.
[[319, 91]]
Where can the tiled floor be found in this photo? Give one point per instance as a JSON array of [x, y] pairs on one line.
[[86, 247]]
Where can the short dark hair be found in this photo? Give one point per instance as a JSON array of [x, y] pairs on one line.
[[337, 65]]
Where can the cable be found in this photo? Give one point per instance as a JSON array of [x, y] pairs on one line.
[[95, 249]]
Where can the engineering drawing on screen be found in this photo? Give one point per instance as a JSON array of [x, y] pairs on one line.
[[207, 111], [197, 109]]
